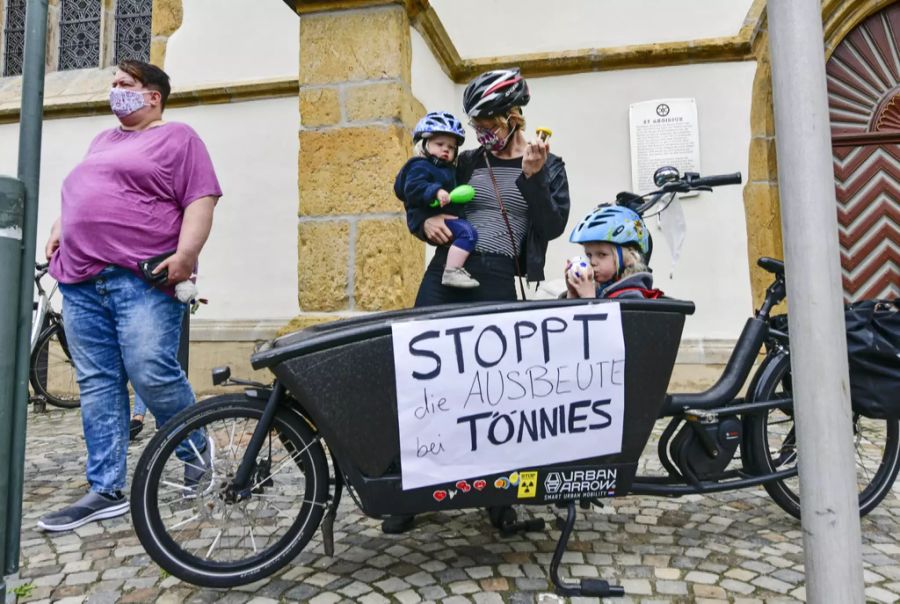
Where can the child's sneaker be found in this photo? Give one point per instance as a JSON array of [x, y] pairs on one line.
[[458, 277]]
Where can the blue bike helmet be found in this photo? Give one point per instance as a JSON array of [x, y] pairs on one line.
[[613, 224], [439, 122]]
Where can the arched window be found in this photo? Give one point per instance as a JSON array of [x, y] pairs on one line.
[[14, 37], [133, 29], [79, 34]]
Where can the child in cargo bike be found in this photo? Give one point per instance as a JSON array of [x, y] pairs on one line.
[[617, 249]]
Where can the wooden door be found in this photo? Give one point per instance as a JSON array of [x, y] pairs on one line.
[[864, 97]]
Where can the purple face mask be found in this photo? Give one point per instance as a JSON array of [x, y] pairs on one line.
[[124, 102]]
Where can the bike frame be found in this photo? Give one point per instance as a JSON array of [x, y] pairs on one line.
[[42, 307], [721, 400]]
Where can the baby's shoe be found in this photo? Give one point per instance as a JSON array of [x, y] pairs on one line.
[[458, 277]]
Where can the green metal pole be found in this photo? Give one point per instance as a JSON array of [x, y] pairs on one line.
[[12, 210], [30, 125]]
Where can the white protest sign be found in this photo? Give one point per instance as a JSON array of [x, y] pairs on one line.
[[493, 393]]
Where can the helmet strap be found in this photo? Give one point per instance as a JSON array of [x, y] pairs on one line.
[[620, 262], [512, 131]]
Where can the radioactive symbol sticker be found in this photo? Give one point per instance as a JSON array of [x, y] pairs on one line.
[[527, 485]]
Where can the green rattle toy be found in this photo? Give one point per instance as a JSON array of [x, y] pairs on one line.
[[461, 194]]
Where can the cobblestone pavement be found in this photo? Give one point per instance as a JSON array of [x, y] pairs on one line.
[[737, 547]]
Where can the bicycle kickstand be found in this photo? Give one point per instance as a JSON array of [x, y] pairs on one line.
[[587, 587]]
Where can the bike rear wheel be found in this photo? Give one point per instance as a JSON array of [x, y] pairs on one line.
[[772, 437], [198, 533], [52, 373]]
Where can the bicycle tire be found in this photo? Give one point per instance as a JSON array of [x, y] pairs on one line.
[[52, 372], [173, 534], [877, 444]]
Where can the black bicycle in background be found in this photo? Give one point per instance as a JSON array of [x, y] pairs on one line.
[[52, 372], [279, 456]]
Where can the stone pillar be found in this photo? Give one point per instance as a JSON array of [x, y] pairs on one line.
[[166, 19], [356, 115], [761, 201]]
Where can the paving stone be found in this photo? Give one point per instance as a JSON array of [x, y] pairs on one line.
[[772, 584], [734, 586], [740, 574], [392, 585], [302, 592], [880, 595], [698, 577], [675, 588], [407, 596], [81, 578], [726, 546], [331, 598], [638, 587], [432, 592]]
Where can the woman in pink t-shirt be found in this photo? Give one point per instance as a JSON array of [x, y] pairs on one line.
[[145, 188]]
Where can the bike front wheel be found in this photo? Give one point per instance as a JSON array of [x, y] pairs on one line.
[[52, 374], [189, 522], [772, 438]]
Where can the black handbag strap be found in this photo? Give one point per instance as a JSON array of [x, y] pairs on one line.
[[512, 238]]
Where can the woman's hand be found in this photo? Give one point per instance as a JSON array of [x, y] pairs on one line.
[[436, 230], [534, 158], [180, 266], [53, 241]]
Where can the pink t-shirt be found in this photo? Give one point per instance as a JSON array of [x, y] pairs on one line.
[[124, 202]]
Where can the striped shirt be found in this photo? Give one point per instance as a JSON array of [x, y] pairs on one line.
[[484, 211]]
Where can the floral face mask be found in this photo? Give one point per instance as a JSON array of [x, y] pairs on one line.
[[124, 102], [488, 139]]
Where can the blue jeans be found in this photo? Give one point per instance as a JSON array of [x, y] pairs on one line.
[[140, 407], [120, 328]]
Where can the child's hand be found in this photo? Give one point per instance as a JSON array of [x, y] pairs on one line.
[[580, 284], [443, 197]]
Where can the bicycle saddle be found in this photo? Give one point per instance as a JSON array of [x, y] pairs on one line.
[[775, 267]]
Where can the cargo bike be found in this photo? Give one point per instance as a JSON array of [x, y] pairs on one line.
[[278, 457]]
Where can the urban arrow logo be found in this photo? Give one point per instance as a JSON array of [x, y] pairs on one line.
[[552, 482]]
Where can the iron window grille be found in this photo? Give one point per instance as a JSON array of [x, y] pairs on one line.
[[133, 18], [14, 37], [79, 33]]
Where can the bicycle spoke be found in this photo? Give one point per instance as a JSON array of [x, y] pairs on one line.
[[214, 543]]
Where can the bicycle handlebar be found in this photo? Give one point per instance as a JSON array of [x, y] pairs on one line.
[[687, 182], [716, 180]]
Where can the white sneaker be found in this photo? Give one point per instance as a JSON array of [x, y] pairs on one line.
[[458, 277]]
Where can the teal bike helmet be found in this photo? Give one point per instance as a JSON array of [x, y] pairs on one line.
[[613, 224]]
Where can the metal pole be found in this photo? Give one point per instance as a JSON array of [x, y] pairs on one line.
[[12, 208], [184, 343], [30, 125], [829, 498]]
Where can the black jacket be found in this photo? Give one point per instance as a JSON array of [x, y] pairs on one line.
[[547, 195], [417, 185]]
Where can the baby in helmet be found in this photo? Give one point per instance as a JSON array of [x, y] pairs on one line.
[[431, 175], [617, 246]]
